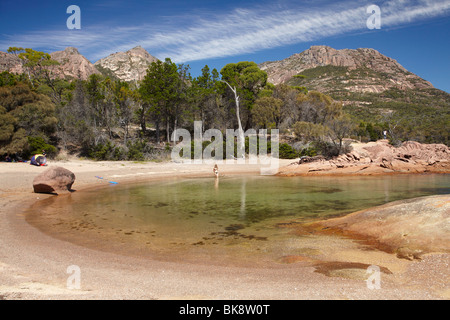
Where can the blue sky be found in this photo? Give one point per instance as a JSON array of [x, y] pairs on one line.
[[415, 33]]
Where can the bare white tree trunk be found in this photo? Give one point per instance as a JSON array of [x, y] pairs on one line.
[[241, 139], [175, 128]]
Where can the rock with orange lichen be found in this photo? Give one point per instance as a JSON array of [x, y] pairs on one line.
[[377, 158]]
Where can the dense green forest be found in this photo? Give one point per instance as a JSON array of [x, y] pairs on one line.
[[106, 119]]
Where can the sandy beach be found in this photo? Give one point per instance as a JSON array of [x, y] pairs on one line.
[[34, 265]]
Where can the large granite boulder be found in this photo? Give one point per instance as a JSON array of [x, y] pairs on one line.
[[409, 228], [54, 180]]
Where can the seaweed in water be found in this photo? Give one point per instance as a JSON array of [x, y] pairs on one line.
[[235, 227], [161, 204], [325, 190]]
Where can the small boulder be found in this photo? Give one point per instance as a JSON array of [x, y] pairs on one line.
[[54, 180]]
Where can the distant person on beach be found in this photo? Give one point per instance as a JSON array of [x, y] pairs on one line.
[[39, 160], [216, 170]]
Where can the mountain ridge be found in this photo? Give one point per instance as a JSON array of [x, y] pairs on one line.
[[375, 90], [126, 66], [283, 71], [377, 72], [72, 64]]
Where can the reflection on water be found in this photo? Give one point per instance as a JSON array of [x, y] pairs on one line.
[[243, 195], [236, 213]]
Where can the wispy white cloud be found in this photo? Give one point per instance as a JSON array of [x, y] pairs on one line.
[[242, 31]]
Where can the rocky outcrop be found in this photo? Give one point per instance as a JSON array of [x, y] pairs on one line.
[[377, 158], [54, 180], [390, 72], [408, 228], [127, 66], [10, 62], [73, 65]]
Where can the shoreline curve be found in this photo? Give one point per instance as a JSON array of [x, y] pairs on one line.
[[33, 265]]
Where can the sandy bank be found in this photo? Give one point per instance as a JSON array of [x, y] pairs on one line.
[[34, 265]]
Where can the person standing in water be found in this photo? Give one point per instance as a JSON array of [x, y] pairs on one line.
[[216, 170]]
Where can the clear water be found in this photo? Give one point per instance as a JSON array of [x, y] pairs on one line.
[[232, 216]]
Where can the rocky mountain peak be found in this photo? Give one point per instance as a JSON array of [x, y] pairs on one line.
[[369, 70], [71, 50], [138, 51], [10, 62], [127, 66], [72, 64]]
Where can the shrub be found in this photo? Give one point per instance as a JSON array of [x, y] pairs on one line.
[[327, 149], [136, 150], [308, 152], [287, 152], [38, 145], [107, 151]]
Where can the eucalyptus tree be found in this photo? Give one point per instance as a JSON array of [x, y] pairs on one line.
[[180, 108], [204, 98], [159, 90], [318, 108], [248, 80], [124, 98], [267, 112], [241, 137], [24, 113], [40, 69]]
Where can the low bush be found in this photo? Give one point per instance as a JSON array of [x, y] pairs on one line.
[[287, 152], [38, 145]]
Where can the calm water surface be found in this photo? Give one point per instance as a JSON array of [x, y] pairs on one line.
[[229, 216]]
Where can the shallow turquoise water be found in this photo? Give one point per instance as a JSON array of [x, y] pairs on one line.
[[253, 199], [182, 214]]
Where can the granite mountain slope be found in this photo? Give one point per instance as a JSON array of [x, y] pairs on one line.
[[126, 66]]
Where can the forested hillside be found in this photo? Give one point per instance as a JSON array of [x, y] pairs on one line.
[[375, 90], [108, 119]]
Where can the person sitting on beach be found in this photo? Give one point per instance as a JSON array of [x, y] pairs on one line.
[[38, 160]]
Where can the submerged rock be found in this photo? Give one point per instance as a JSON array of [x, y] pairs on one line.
[[54, 180]]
